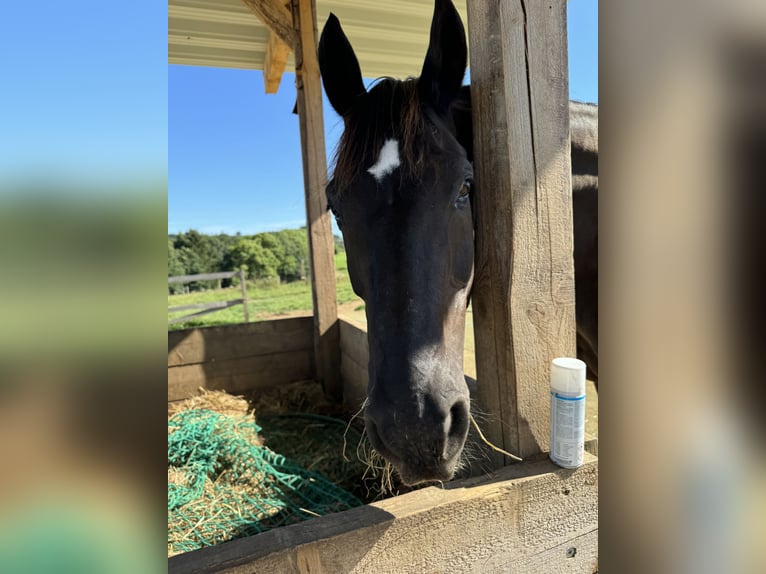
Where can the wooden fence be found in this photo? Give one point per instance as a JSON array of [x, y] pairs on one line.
[[240, 358], [215, 305]]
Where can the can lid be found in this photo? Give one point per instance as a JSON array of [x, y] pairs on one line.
[[568, 375]]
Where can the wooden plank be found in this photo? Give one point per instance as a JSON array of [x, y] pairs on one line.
[[274, 63], [523, 295], [202, 277], [591, 444], [354, 360], [531, 517], [243, 286], [224, 305], [191, 346], [213, 305], [319, 229], [237, 375], [276, 17], [355, 378], [353, 342]]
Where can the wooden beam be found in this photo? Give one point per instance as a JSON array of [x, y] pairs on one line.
[[202, 277], [226, 342], [534, 517], [276, 17], [523, 295], [239, 375], [321, 244], [274, 63]]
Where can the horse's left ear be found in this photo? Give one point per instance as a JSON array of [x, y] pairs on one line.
[[444, 67]]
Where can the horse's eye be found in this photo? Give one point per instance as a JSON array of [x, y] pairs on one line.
[[338, 220], [465, 191]]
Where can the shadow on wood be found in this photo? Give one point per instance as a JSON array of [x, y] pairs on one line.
[[532, 517], [238, 358]]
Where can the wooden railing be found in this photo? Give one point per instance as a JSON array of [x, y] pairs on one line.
[[215, 305]]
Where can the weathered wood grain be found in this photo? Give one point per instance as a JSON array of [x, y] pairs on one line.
[[210, 344], [275, 17], [274, 63], [523, 296], [238, 375], [355, 378], [531, 517], [353, 342], [354, 359], [321, 243]]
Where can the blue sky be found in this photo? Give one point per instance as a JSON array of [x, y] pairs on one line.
[[234, 160], [84, 92]]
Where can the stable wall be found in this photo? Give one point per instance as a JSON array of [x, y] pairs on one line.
[[240, 358]]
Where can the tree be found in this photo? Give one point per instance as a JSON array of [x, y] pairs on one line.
[[295, 248], [175, 267], [261, 262]]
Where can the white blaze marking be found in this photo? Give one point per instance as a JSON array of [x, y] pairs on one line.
[[387, 162]]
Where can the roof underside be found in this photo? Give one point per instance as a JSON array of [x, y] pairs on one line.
[[390, 37]]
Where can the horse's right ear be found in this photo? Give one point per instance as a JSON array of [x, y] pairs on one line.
[[341, 75]]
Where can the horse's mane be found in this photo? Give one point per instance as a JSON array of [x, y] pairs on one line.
[[390, 109]]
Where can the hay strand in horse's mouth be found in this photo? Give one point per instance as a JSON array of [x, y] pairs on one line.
[[348, 426], [490, 445]]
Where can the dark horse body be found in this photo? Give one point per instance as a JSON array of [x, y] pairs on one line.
[[401, 192]]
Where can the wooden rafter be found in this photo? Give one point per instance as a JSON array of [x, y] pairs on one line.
[[274, 63], [276, 17]]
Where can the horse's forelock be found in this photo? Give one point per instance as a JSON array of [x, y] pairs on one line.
[[391, 109]]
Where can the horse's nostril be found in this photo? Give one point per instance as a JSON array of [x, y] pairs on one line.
[[458, 419]]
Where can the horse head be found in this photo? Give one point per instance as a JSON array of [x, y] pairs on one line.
[[401, 193]]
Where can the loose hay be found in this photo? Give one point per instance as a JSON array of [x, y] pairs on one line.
[[224, 484], [219, 401]]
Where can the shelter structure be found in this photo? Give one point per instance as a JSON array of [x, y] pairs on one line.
[[531, 516]]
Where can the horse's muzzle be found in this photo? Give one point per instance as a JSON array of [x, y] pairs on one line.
[[423, 448]]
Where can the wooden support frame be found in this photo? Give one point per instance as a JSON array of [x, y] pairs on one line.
[[523, 297], [239, 358], [321, 243], [274, 63], [535, 517], [276, 17]]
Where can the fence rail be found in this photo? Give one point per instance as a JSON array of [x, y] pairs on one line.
[[215, 305], [202, 277]]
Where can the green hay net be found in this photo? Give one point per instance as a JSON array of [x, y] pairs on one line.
[[222, 484]]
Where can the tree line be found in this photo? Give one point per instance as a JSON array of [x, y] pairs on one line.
[[278, 255]]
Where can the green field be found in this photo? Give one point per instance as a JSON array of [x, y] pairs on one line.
[[266, 299]]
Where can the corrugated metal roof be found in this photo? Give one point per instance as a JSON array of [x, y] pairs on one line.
[[390, 37]]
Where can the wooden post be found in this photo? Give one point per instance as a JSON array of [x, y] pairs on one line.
[[321, 245], [243, 284], [523, 298]]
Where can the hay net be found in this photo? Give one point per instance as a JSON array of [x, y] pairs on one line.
[[224, 484]]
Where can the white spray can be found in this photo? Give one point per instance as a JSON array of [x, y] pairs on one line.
[[567, 412]]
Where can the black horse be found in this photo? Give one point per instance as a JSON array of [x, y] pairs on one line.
[[401, 193]]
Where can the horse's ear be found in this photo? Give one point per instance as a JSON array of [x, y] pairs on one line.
[[341, 75], [444, 67]]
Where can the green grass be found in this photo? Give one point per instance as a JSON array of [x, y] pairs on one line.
[[265, 299]]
